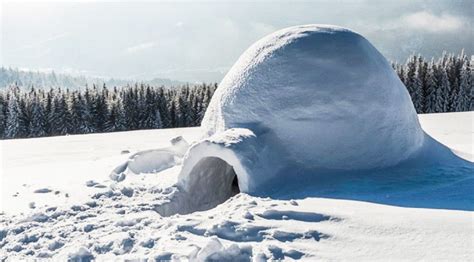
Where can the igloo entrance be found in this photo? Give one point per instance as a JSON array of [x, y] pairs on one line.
[[211, 182], [211, 174]]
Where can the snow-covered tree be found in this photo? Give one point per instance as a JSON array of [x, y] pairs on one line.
[[87, 116], [464, 96], [3, 117], [12, 127], [99, 108], [116, 118], [444, 91], [432, 102], [59, 117], [158, 122], [37, 123]]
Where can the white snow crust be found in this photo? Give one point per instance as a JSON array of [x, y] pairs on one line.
[[318, 96], [399, 218]]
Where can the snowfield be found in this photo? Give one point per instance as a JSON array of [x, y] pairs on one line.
[[61, 200]]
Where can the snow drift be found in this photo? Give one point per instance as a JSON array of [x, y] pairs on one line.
[[152, 161], [312, 97]]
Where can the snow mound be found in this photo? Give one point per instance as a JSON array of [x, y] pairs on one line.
[[152, 161], [302, 101], [215, 251], [324, 95]]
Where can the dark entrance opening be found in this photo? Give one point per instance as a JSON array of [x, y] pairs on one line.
[[212, 181]]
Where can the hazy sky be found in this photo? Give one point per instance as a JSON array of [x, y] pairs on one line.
[[199, 41]]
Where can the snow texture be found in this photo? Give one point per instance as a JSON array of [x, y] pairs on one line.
[[123, 221]]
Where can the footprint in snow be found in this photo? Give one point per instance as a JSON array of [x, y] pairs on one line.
[[279, 254], [283, 236], [294, 215], [42, 191]]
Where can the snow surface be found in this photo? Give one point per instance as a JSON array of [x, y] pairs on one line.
[[462, 124], [309, 91], [123, 221], [75, 167]]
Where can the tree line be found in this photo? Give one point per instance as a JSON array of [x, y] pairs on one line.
[[39, 112], [439, 86], [444, 85]]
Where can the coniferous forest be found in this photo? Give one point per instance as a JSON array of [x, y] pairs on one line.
[[439, 86], [38, 112], [444, 85]]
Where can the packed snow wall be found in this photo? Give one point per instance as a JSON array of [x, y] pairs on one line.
[[313, 97]]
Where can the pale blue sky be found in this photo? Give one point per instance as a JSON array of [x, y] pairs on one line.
[[199, 41]]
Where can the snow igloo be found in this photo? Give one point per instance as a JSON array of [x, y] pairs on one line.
[[301, 100]]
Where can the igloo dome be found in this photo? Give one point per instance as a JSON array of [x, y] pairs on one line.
[[324, 95], [301, 102]]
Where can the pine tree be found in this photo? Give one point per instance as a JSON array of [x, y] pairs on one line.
[[194, 107], [471, 83], [37, 127], [48, 105], [56, 122], [116, 118], [76, 113], [120, 123], [87, 116], [163, 108], [66, 114], [24, 114], [452, 70], [12, 124], [410, 75], [417, 89], [444, 91], [413, 83], [3, 117], [182, 108], [130, 106], [401, 74], [99, 109], [422, 71], [172, 113], [158, 122], [148, 108], [463, 98], [432, 101], [80, 115]]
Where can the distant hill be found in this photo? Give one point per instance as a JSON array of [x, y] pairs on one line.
[[26, 79]]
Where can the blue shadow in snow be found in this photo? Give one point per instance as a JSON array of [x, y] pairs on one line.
[[434, 178]]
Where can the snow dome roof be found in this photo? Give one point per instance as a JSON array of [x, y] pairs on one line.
[[321, 95]]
